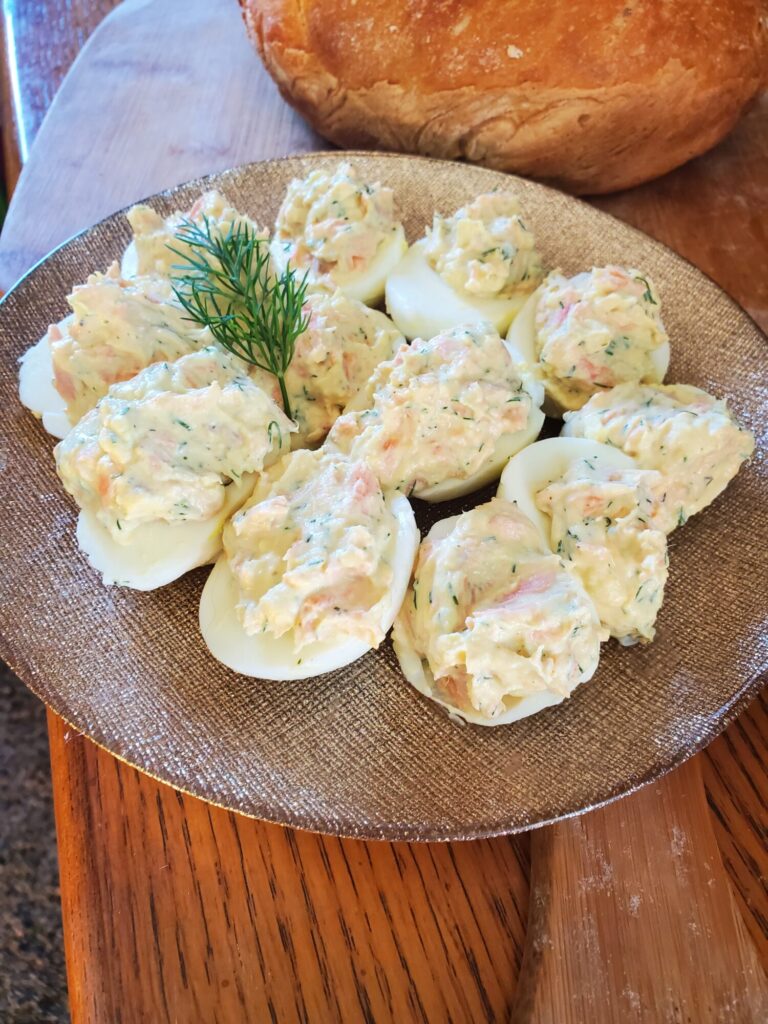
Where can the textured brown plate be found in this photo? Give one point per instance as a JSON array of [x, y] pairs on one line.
[[359, 752]]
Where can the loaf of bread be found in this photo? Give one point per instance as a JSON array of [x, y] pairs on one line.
[[591, 95]]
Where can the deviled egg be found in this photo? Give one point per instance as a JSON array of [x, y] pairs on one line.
[[163, 460], [333, 359], [341, 231], [444, 415], [480, 264], [494, 626], [155, 247], [689, 436], [116, 328], [590, 332], [595, 508], [314, 569]]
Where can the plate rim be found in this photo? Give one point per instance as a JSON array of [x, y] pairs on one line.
[[389, 833]]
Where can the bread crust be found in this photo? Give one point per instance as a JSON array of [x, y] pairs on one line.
[[590, 95]]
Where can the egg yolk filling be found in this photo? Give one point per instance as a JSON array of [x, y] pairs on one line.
[[485, 248], [689, 436], [603, 526], [342, 346], [165, 444], [596, 330], [437, 409], [335, 224], [311, 552], [154, 236], [118, 326], [495, 615]]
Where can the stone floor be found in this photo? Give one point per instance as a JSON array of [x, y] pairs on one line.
[[32, 977]]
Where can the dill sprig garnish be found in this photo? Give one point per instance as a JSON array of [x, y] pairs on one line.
[[225, 283]]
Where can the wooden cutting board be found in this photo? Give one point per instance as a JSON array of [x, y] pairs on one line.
[[176, 911]]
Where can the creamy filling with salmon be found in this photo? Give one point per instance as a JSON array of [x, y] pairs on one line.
[[310, 552], [333, 359], [164, 445], [689, 436], [603, 525], [156, 246], [485, 248], [495, 615], [596, 330], [118, 326], [437, 409], [334, 224]]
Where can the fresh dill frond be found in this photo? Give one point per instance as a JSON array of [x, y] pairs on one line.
[[225, 283]]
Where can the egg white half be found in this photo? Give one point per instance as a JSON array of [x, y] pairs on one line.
[[129, 262], [366, 286], [533, 469], [37, 391], [521, 342], [422, 304], [267, 657], [419, 675], [521, 338], [158, 553]]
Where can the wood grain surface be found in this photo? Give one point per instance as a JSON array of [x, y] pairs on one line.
[[175, 911], [164, 91], [203, 915], [736, 784], [629, 919], [41, 39]]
